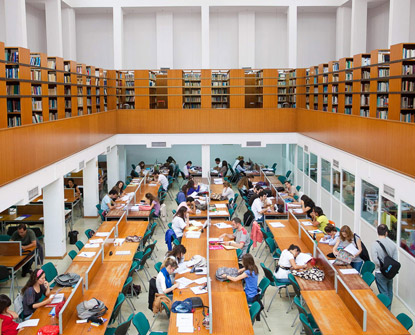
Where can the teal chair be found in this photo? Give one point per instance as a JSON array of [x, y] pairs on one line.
[[385, 300], [142, 325], [122, 328], [368, 266], [297, 291], [369, 278], [309, 316], [263, 286], [5, 238], [239, 253], [157, 266], [72, 254], [274, 251], [287, 175], [265, 235], [276, 283], [128, 292], [176, 241], [298, 188], [254, 310], [50, 273], [168, 312], [282, 179], [116, 313], [100, 212], [79, 245], [307, 327], [405, 320], [248, 250], [87, 232]]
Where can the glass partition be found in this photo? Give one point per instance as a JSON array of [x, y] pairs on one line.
[[408, 228], [370, 199], [348, 189], [313, 167], [292, 153], [336, 183], [300, 158], [306, 164], [325, 174], [388, 216]]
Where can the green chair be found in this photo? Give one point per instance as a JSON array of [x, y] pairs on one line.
[[176, 241], [239, 253], [50, 273], [128, 291], [385, 300], [298, 188], [169, 225], [262, 286], [265, 235], [142, 267], [116, 313], [307, 327], [274, 251], [287, 175], [276, 283], [248, 250], [87, 232], [122, 328], [157, 266], [405, 320], [282, 179], [309, 316], [79, 245], [5, 238], [297, 291], [369, 278], [142, 325], [296, 197], [254, 310], [72, 254], [368, 266], [166, 308]]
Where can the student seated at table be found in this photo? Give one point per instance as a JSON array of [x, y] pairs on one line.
[[181, 196], [161, 180], [223, 170], [253, 194], [218, 164], [119, 187], [227, 192], [140, 168], [107, 202], [290, 189], [319, 219], [191, 187], [240, 167], [171, 165], [260, 205], [249, 273], [35, 288], [331, 234], [71, 184], [180, 222], [345, 238], [240, 237], [164, 282], [154, 203], [177, 254], [189, 204], [287, 262], [238, 159], [186, 169], [307, 205], [7, 324], [27, 237]]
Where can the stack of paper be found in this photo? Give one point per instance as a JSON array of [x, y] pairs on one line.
[[224, 213], [196, 223], [299, 211], [96, 240], [183, 282], [306, 223], [302, 258], [221, 206], [28, 323], [123, 252], [215, 239], [193, 234], [200, 281], [293, 205], [184, 322], [349, 271], [135, 208], [222, 225], [276, 224], [198, 290], [87, 254], [92, 245], [218, 181], [102, 234], [57, 298]]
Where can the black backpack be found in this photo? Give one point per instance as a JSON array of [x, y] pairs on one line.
[[364, 255], [248, 218], [389, 267]]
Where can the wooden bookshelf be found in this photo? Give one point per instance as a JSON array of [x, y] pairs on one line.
[[162, 97], [192, 89], [270, 88], [237, 88], [3, 101], [361, 84], [220, 89], [282, 95], [300, 87], [142, 83], [56, 88], [111, 89], [206, 89], [333, 87], [175, 88], [70, 88], [307, 88], [104, 93], [99, 89], [402, 82], [345, 85], [81, 88], [128, 90], [314, 87], [379, 85], [39, 89], [323, 87], [253, 88]]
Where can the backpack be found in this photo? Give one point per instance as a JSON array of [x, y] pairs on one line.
[[67, 279], [248, 218], [364, 255], [48, 330], [184, 306], [389, 267], [91, 308], [152, 290], [91, 233], [233, 272]]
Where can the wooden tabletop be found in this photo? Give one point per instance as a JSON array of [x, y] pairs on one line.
[[67, 200], [287, 231], [11, 218], [16, 261]]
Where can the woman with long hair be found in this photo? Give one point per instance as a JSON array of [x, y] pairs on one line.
[[7, 324], [191, 187], [35, 288], [347, 237], [154, 203], [180, 222]]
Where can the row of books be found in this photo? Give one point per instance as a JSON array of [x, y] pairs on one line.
[[219, 76], [35, 60], [14, 121], [220, 99], [383, 72], [197, 91], [53, 103], [382, 114], [13, 89], [365, 87], [11, 55], [52, 91], [408, 86], [36, 104], [349, 75], [68, 103], [407, 102], [13, 106], [37, 118], [52, 64], [52, 77], [12, 72], [192, 99], [365, 74], [383, 57], [383, 86], [408, 69], [364, 100], [191, 105], [219, 91], [192, 83], [36, 75], [36, 90], [382, 101], [191, 76], [408, 53]]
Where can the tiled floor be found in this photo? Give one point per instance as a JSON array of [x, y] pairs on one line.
[[278, 320]]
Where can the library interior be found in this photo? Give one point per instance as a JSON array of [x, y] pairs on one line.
[[207, 167]]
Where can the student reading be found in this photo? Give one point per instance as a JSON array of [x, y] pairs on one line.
[[180, 222], [27, 238], [287, 262], [163, 280], [35, 288]]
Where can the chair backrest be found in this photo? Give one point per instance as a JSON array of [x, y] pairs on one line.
[[307, 328], [117, 308], [141, 323], [50, 271], [405, 320], [157, 266], [296, 287], [254, 310], [87, 233], [287, 175], [298, 188], [263, 285], [79, 245], [5, 237], [271, 244], [368, 278], [238, 253], [368, 266], [127, 285], [166, 308], [122, 328], [72, 254], [132, 268], [385, 299], [248, 250], [268, 274], [301, 309], [146, 256], [4, 273], [98, 206], [282, 179]]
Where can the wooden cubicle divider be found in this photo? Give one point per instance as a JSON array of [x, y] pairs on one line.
[[307, 240], [69, 308], [352, 303], [93, 268], [108, 242], [122, 222], [292, 220], [323, 264], [29, 209], [69, 193], [10, 248]]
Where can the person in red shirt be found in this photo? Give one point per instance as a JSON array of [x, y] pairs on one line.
[[7, 324]]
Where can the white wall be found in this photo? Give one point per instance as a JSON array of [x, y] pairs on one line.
[[377, 27], [412, 22], [36, 29], [94, 36], [2, 19], [223, 40], [187, 40], [271, 40], [140, 41], [316, 38]]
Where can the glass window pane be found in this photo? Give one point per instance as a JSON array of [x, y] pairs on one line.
[[292, 153], [284, 151], [348, 189], [370, 198], [300, 158], [336, 183], [306, 164], [408, 228], [325, 174], [313, 167], [389, 217]]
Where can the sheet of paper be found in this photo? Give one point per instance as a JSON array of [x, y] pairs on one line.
[[302, 258], [200, 281], [298, 211], [315, 231], [183, 281], [351, 249], [28, 323], [96, 240], [184, 322], [222, 225], [119, 241], [39, 218], [92, 245], [87, 254], [324, 241], [294, 206], [193, 195], [196, 223], [57, 298], [221, 206], [193, 234], [198, 290], [306, 223], [102, 234], [276, 224], [229, 247], [215, 239], [20, 218], [349, 271], [192, 228], [183, 270], [123, 252]]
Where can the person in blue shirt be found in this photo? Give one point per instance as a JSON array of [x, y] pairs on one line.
[[191, 187], [107, 202], [249, 273], [181, 196]]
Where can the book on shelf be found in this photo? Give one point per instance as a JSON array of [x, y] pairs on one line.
[[13, 106], [364, 112], [335, 66], [52, 64], [348, 110], [52, 77], [13, 89], [383, 72], [53, 116], [408, 86], [383, 57], [12, 73], [12, 55], [407, 117], [382, 101], [37, 118], [383, 86], [52, 90], [408, 53], [14, 121], [36, 104], [349, 64], [36, 75], [36, 90], [407, 102], [53, 103], [35, 60], [408, 69], [67, 67], [365, 74], [382, 114]]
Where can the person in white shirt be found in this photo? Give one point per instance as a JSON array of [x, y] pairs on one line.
[[287, 262], [180, 222], [332, 234], [161, 180], [227, 191], [163, 280], [186, 169], [140, 168], [218, 164], [258, 204], [238, 159], [189, 204]]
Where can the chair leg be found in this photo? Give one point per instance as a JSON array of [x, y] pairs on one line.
[[260, 255], [289, 298], [130, 303], [265, 320], [273, 299], [295, 319], [141, 280], [155, 316], [266, 259], [260, 246], [296, 328]]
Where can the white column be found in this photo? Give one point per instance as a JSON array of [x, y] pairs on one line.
[[343, 24], [246, 21], [164, 28], [54, 28], [91, 189], [54, 219], [399, 18], [15, 23], [118, 32], [113, 167], [205, 160], [122, 159], [69, 31], [359, 27], [292, 36], [205, 21]]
